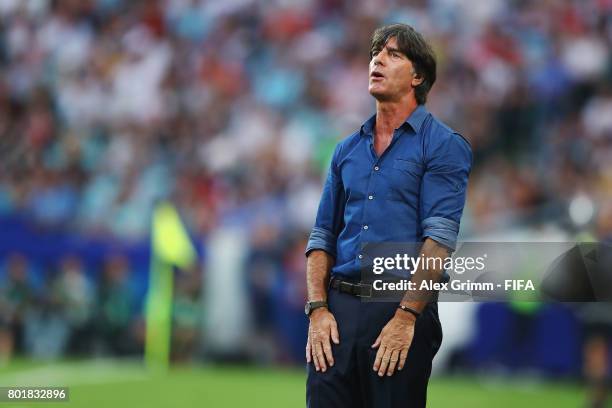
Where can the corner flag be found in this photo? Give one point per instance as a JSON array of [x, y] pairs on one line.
[[170, 247]]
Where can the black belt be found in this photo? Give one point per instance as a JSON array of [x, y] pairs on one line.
[[361, 289], [352, 288]]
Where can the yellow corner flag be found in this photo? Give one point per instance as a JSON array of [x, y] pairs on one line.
[[170, 247]]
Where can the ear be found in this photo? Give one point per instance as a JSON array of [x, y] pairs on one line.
[[416, 80]]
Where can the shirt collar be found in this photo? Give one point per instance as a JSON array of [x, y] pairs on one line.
[[415, 121], [416, 118], [367, 128]]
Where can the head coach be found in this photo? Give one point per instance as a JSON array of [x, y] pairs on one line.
[[402, 177]]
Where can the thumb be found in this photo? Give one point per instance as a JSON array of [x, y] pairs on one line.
[[334, 333], [377, 342]]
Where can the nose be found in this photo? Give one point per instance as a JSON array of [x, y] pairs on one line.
[[377, 59]]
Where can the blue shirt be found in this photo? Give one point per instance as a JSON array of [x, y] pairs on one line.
[[415, 189]]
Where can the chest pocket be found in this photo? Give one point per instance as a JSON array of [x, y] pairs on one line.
[[405, 181]]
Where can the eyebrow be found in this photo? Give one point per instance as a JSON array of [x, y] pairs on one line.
[[389, 49]]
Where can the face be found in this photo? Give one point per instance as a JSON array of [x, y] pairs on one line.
[[392, 74]]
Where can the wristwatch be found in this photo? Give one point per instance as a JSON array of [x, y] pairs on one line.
[[310, 306]]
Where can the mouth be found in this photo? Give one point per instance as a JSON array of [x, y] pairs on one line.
[[375, 75]]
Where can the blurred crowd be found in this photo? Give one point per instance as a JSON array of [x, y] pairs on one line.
[[108, 105], [231, 109], [65, 313], [73, 310]]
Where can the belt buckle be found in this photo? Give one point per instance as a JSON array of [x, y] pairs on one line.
[[345, 287], [369, 290]]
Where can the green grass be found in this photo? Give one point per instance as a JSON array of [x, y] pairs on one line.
[[123, 384]]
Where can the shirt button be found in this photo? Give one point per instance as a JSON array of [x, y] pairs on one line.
[[370, 197], [365, 227], [360, 256], [376, 168]]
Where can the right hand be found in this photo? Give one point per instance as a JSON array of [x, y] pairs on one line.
[[322, 327]]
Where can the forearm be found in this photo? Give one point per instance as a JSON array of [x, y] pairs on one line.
[[318, 269], [417, 299]]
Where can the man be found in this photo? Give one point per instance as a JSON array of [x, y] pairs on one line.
[[401, 178]]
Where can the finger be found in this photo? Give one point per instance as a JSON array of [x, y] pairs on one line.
[[315, 361], [402, 358], [384, 363], [334, 333], [313, 355], [328, 352], [393, 362], [378, 359], [308, 359], [320, 356], [377, 342]]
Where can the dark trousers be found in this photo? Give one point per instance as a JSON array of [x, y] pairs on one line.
[[352, 382]]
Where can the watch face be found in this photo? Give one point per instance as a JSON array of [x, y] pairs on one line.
[[307, 309]]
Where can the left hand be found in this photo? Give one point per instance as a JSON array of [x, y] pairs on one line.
[[393, 343]]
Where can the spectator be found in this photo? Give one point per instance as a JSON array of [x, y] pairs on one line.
[[115, 308], [16, 295], [74, 296], [187, 316]]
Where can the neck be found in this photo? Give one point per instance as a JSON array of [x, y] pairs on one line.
[[391, 114]]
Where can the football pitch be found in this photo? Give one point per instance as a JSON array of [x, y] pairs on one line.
[[116, 384]]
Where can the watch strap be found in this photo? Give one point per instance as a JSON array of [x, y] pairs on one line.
[[316, 305], [409, 310]]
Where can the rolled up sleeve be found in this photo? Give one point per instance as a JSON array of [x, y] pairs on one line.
[[443, 190], [328, 224], [320, 238]]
